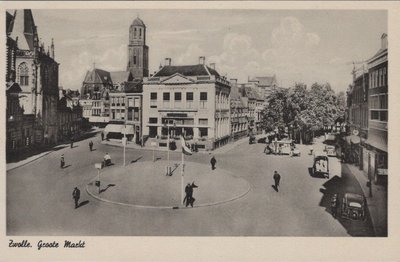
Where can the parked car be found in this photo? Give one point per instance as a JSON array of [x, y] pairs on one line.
[[321, 165], [330, 150], [353, 207]]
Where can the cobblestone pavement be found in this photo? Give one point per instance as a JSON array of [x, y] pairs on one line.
[[39, 198]]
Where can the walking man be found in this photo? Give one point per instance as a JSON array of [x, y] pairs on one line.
[[72, 142], [62, 161], [102, 136], [91, 145], [189, 194], [213, 162], [277, 179], [76, 194]]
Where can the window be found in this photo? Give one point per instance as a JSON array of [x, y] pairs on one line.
[[203, 132], [153, 96], [23, 74], [203, 121], [153, 120], [189, 96], [134, 59], [203, 99], [136, 114], [178, 96], [374, 115], [189, 99], [140, 32], [134, 32], [166, 96], [203, 96]]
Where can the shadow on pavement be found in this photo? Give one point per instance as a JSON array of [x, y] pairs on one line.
[[341, 185], [66, 166], [83, 203], [137, 159], [275, 188], [108, 186], [16, 157]]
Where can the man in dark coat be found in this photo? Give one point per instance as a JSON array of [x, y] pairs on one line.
[[189, 194], [102, 136], [91, 145], [76, 194], [213, 162], [277, 179], [72, 142]]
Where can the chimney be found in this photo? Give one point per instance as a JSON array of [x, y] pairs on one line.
[[167, 61], [52, 49], [212, 65], [384, 41], [202, 60]]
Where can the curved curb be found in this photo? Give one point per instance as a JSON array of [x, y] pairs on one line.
[[168, 207]]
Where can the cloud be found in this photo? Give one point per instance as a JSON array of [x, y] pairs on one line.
[[190, 56]]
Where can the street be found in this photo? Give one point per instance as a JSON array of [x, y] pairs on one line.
[[39, 197]]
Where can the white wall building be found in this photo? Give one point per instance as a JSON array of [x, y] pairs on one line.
[[194, 99]]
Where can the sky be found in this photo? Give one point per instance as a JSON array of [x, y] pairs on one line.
[[296, 45]]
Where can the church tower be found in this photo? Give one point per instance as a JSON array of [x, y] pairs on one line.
[[138, 51]]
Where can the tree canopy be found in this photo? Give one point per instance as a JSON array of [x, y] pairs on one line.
[[306, 109]]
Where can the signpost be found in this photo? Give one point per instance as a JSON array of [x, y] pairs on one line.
[[98, 166], [153, 144], [124, 142]]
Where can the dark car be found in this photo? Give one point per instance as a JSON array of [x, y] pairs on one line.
[[353, 206]]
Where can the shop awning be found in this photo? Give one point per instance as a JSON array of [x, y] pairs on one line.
[[353, 139], [128, 130], [113, 128], [377, 143]]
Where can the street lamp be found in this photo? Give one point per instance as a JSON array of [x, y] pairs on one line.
[[166, 124]]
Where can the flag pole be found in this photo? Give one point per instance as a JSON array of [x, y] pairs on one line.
[[182, 172]]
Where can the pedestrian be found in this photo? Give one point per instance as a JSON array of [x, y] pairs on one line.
[[76, 194], [62, 161], [277, 179], [91, 145], [102, 136], [189, 194], [213, 162], [72, 143], [189, 199], [334, 205]]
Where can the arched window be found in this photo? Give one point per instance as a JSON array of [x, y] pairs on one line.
[[140, 32], [134, 34], [23, 74]]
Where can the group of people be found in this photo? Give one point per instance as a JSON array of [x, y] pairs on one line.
[[189, 199]]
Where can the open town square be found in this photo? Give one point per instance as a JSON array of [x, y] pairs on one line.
[[210, 123]]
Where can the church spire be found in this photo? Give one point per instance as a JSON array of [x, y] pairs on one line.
[[52, 48]]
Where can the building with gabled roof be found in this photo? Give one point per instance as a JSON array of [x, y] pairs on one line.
[[188, 100], [239, 112]]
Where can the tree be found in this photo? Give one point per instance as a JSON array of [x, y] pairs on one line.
[[302, 109]]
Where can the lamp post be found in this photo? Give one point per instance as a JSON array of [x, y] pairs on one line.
[[124, 142], [168, 126]]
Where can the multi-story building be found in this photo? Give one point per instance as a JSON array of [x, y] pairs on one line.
[[239, 122], [375, 154], [357, 101], [36, 74], [69, 116], [188, 100], [95, 96]]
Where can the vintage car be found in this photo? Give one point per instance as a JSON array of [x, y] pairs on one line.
[[321, 165], [353, 207], [330, 150], [281, 147]]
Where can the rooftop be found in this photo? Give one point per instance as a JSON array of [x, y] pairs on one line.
[[187, 70]]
